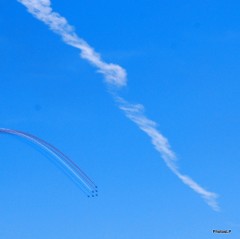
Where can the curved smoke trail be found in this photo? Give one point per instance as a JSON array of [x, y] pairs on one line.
[[116, 76], [89, 186]]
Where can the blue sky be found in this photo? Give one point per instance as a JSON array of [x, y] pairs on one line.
[[181, 60]]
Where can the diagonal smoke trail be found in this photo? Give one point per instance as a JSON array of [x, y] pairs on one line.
[[41, 9], [136, 114], [116, 76]]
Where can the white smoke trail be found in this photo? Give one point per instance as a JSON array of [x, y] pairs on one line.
[[136, 114], [115, 75], [42, 10]]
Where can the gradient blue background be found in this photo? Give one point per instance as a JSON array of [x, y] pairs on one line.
[[182, 59]]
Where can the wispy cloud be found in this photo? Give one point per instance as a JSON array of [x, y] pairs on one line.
[[116, 76]]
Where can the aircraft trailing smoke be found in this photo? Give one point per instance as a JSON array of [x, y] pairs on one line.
[[82, 180]]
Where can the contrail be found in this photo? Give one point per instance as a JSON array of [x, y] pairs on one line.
[[89, 187], [116, 76], [136, 114], [41, 9]]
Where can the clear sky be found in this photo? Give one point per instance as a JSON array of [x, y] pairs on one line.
[[182, 63]]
